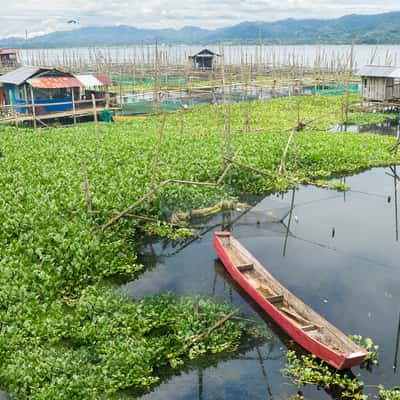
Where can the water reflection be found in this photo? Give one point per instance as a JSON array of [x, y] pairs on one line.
[[290, 221], [390, 127], [351, 277]]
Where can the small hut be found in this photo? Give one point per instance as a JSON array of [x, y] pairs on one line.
[[204, 59], [379, 83], [50, 89], [8, 58]]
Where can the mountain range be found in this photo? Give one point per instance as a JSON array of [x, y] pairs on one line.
[[359, 29]]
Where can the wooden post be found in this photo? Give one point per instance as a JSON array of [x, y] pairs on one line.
[[16, 121], [33, 108], [96, 123], [157, 156], [226, 108], [26, 99], [73, 105], [86, 187]]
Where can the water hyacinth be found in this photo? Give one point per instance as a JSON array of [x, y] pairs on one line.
[[65, 335]]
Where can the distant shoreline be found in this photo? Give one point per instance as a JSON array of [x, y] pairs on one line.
[[377, 29]]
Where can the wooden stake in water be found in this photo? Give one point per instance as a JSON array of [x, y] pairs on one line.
[[73, 105], [282, 167], [33, 108], [289, 222], [96, 122], [157, 155], [226, 109], [396, 353], [86, 187]]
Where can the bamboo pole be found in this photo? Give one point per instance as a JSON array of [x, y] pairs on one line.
[[148, 195], [96, 123], [25, 98], [33, 108], [282, 167], [226, 109], [16, 121], [157, 154], [73, 105], [86, 187]]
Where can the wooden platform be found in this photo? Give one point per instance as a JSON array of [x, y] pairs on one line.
[[21, 118]]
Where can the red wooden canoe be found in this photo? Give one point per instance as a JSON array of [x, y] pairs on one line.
[[306, 327]]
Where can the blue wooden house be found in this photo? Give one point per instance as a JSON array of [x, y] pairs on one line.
[[49, 89]]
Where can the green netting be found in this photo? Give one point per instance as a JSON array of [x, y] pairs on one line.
[[146, 107], [335, 90], [129, 80]]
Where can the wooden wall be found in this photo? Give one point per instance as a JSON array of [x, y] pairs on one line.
[[380, 89]]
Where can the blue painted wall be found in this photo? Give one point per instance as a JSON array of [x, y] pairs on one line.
[[15, 96]]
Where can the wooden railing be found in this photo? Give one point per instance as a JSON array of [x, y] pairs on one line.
[[34, 111]]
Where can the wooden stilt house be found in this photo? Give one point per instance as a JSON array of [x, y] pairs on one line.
[[379, 83]]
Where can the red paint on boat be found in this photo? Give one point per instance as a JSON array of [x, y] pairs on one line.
[[336, 359]]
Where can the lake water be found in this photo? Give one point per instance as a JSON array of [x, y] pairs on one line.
[[340, 255], [305, 55]]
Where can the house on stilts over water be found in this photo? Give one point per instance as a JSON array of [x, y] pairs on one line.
[[204, 60], [380, 83], [42, 91]]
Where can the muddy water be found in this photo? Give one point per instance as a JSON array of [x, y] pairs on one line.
[[340, 255]]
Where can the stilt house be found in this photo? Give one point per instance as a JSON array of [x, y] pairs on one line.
[[203, 60], [379, 83]]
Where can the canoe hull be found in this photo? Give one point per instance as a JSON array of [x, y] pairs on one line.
[[335, 359]]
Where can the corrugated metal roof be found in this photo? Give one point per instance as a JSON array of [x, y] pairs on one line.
[[55, 82], [20, 75], [104, 80], [88, 81], [205, 53], [379, 71]]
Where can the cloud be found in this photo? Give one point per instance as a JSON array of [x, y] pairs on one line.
[[46, 16]]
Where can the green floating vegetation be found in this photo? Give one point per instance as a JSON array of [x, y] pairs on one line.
[[308, 370], [66, 336], [100, 343], [167, 231]]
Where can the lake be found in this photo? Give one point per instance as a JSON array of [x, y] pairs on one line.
[[340, 256], [305, 55]]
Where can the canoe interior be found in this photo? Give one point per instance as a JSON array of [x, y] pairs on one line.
[[287, 303]]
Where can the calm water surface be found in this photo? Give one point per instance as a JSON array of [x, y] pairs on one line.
[[340, 255], [306, 55]]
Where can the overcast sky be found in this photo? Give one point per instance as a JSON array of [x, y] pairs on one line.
[[43, 16]]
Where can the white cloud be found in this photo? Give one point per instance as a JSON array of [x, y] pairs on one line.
[[38, 16]]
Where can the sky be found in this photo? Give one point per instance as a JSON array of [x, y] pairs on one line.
[[35, 17]]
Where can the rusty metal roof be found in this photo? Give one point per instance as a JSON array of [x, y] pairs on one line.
[[378, 71], [55, 82], [104, 80], [5, 52]]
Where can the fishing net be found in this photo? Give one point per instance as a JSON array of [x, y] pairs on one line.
[[268, 211]]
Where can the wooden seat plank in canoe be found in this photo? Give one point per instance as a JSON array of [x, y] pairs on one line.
[[245, 267], [309, 328], [275, 299]]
